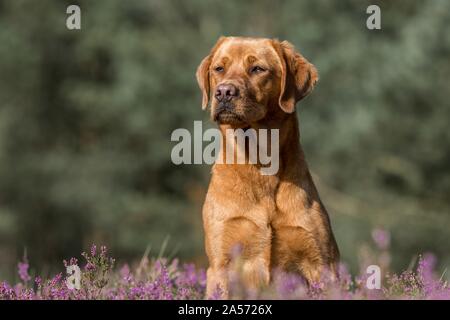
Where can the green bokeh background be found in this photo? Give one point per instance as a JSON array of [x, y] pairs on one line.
[[86, 118]]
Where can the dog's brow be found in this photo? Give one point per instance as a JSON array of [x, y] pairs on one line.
[[251, 59], [223, 60]]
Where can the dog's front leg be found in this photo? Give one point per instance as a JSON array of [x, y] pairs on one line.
[[242, 240], [217, 282]]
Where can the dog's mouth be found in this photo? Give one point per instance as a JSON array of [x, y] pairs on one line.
[[228, 117], [225, 114]]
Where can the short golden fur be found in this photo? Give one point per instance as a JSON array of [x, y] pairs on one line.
[[278, 220]]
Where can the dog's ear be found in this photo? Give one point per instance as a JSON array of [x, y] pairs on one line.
[[202, 73], [298, 76], [203, 79]]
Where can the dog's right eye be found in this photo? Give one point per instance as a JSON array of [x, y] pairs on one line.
[[218, 69], [257, 69]]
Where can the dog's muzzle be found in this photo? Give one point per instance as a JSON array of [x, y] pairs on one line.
[[224, 113]]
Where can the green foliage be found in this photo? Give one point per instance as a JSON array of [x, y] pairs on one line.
[[86, 118]]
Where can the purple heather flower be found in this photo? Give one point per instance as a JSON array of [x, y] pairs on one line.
[[125, 273], [6, 291], [72, 261], [93, 250], [89, 267], [217, 294], [23, 271], [426, 266], [288, 284], [425, 273], [382, 238]]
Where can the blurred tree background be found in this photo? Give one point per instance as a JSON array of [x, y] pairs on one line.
[[86, 118]]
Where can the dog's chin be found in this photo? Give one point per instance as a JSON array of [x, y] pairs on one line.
[[231, 119]]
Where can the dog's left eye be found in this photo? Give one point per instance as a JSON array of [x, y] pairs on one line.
[[257, 69]]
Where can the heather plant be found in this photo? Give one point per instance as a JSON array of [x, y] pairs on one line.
[[164, 279]]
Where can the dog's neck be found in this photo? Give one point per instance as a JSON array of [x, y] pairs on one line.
[[291, 155]]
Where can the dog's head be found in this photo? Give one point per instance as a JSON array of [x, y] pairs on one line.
[[245, 77]]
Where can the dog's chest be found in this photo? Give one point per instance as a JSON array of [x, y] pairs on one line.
[[244, 189]]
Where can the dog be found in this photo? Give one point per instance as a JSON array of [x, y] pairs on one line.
[[278, 220]]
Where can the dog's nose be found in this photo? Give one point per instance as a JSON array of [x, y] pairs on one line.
[[226, 92]]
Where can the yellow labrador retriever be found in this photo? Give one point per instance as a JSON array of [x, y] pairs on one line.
[[278, 220]]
